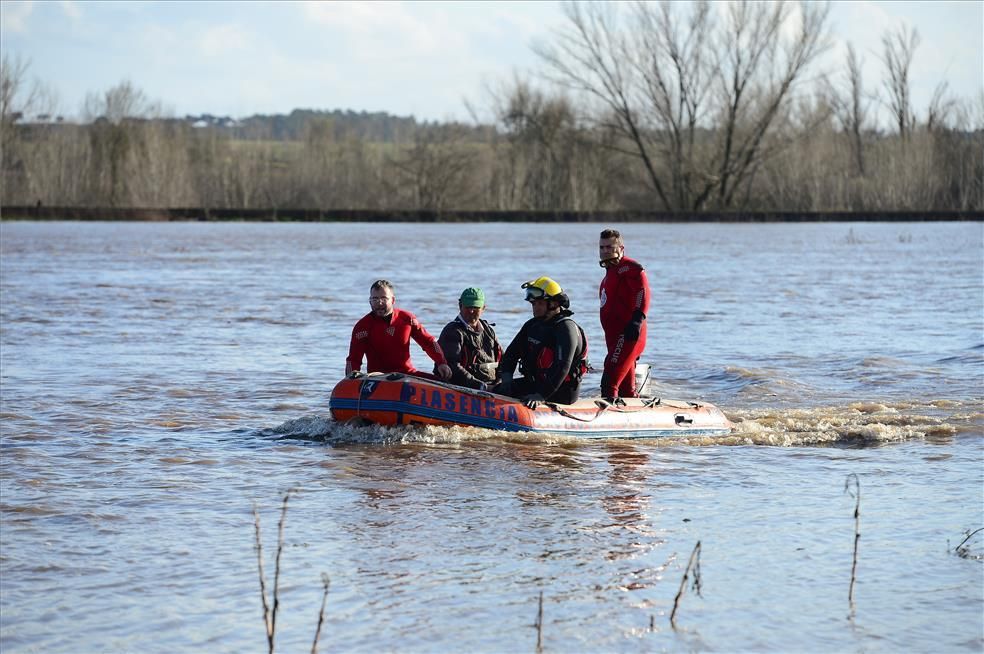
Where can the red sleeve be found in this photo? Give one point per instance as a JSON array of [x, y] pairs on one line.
[[426, 341], [357, 346], [637, 290], [640, 291]]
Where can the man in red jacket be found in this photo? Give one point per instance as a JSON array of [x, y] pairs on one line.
[[383, 336], [624, 295]]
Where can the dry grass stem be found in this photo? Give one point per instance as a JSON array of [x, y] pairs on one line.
[[539, 625], [270, 615], [694, 564], [321, 615], [263, 594], [857, 531], [276, 568]]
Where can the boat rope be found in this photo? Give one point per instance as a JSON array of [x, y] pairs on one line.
[[602, 407]]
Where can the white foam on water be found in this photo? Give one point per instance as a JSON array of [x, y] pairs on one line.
[[859, 422], [326, 429]]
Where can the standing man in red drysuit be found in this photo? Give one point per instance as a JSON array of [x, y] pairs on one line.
[[624, 295], [383, 336]]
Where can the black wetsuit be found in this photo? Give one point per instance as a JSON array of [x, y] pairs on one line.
[[552, 358]]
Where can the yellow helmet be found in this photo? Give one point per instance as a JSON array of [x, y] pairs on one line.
[[542, 287]]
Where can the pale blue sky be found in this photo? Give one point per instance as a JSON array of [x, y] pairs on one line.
[[406, 58]]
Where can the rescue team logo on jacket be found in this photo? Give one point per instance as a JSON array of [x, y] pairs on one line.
[[604, 297], [391, 330], [456, 402]]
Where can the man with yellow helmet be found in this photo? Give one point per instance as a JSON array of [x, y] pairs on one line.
[[550, 349]]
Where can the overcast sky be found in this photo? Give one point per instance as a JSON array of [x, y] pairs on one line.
[[406, 58]]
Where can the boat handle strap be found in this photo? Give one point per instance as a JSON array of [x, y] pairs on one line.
[[568, 414]]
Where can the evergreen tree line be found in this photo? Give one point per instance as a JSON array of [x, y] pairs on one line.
[[665, 107]]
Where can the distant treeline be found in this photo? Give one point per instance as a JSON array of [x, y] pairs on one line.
[[671, 110], [204, 214], [372, 127], [546, 163]]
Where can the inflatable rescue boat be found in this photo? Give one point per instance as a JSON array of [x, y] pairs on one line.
[[399, 399]]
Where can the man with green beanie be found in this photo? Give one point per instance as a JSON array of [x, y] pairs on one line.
[[469, 343]]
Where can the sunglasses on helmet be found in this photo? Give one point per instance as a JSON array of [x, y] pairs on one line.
[[534, 293]]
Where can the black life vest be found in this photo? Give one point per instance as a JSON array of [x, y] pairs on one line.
[[540, 356]]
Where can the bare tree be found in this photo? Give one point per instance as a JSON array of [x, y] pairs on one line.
[[546, 159], [26, 109], [758, 81], [53, 156], [434, 171], [316, 187], [941, 107], [696, 101], [898, 48], [852, 107], [159, 167], [538, 128], [117, 141], [16, 96], [537, 131], [118, 103]]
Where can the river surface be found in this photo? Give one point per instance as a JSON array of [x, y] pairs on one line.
[[158, 381]]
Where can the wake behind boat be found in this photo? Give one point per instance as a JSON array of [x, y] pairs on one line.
[[400, 399]]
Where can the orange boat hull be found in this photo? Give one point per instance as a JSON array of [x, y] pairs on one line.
[[398, 399]]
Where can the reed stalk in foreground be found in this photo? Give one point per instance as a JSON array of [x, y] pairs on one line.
[[263, 593], [270, 615], [857, 532], [321, 615], [694, 557], [539, 625], [276, 567]]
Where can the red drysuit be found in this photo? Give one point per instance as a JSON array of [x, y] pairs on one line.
[[385, 343], [624, 295]]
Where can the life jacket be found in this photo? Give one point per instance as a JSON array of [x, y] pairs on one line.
[[469, 352], [544, 357]]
